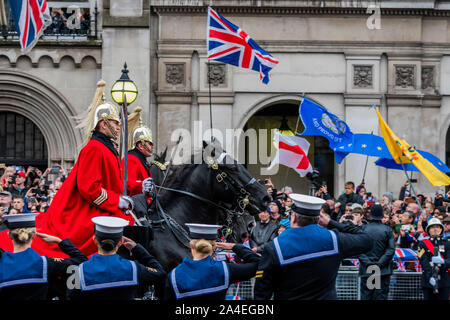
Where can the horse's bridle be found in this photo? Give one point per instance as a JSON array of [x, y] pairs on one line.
[[241, 195]]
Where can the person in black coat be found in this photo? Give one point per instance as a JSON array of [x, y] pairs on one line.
[[264, 231], [203, 278], [434, 255], [380, 256], [24, 274], [302, 263], [106, 275], [348, 197]]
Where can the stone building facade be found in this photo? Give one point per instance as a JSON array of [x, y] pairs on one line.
[[345, 55]]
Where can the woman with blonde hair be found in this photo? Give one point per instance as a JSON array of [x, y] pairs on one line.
[[24, 274], [202, 277]]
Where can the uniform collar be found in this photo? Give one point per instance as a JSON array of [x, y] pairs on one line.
[[141, 157], [103, 138]]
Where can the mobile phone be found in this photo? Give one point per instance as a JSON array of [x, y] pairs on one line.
[[55, 170]]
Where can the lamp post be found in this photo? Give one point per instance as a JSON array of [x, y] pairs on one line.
[[124, 88], [124, 92]]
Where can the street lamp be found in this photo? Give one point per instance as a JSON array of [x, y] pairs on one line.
[[124, 92], [124, 87]]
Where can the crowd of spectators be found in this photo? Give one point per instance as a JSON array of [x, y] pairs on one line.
[[62, 25], [25, 190]]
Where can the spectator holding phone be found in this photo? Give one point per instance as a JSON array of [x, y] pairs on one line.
[[18, 187]]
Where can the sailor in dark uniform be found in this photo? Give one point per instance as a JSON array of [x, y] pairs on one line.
[[107, 276], [203, 278], [302, 263], [434, 254], [24, 274]]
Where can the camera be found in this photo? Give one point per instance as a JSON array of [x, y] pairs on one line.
[[413, 180], [314, 178], [406, 228], [348, 217], [263, 182]]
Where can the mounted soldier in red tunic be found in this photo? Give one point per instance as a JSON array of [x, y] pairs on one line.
[[140, 146], [93, 187]]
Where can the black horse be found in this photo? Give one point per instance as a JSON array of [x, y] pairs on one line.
[[218, 192]]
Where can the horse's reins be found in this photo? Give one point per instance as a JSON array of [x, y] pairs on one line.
[[239, 191]]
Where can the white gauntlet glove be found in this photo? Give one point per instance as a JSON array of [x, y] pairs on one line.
[[148, 187], [437, 260], [432, 281], [123, 203]]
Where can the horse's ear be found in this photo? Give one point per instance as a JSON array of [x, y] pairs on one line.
[[164, 154], [209, 149], [217, 146]]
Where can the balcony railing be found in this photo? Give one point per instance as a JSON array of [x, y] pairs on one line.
[[74, 23]]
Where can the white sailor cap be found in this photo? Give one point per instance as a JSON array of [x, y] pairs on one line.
[[203, 231], [109, 227], [20, 220], [306, 205]]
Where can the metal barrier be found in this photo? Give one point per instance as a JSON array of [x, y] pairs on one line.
[[403, 286]]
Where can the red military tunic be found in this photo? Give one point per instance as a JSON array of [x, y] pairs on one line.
[[138, 171], [91, 189]]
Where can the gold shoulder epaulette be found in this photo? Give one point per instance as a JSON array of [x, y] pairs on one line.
[[161, 166]]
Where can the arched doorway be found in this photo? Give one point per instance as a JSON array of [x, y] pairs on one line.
[[320, 155], [21, 142], [28, 97]]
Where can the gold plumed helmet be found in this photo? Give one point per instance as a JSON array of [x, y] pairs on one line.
[[137, 130], [97, 111]]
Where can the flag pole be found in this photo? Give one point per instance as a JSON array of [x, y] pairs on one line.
[[3, 20], [298, 118], [365, 167], [410, 184], [210, 102]]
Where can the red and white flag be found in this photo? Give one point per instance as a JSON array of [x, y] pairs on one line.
[[293, 153]]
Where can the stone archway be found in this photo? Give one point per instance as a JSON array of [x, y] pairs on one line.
[[268, 114], [47, 108]]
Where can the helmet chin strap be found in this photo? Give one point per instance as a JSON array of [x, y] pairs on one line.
[[147, 148], [111, 130]]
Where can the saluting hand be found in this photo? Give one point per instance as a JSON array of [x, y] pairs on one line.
[[323, 220], [48, 238], [128, 243], [225, 245]]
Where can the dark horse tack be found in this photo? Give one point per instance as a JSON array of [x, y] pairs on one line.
[[199, 193]]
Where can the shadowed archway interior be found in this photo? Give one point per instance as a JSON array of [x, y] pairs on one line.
[[319, 154]]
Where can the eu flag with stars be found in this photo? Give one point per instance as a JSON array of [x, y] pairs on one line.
[[318, 121], [363, 143]]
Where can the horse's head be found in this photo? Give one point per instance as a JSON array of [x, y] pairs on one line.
[[159, 166], [233, 183]]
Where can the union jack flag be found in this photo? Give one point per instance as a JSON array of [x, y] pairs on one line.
[[230, 44], [31, 17]]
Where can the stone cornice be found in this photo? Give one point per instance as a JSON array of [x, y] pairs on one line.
[[397, 49], [247, 10]]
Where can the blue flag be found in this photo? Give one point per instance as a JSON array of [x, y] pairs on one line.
[[319, 121], [363, 143], [390, 163]]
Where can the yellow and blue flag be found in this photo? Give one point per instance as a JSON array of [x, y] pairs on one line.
[[402, 152]]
